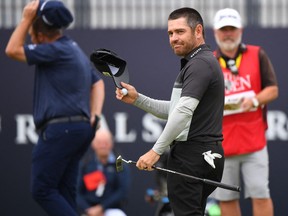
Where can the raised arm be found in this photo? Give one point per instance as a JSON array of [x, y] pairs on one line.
[[15, 46]]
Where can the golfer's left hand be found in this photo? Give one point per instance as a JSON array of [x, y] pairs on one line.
[[146, 161]]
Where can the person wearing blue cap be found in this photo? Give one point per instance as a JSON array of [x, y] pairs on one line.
[[68, 98]]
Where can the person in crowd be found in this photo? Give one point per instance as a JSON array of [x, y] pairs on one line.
[[194, 116], [68, 97], [250, 84], [101, 190]]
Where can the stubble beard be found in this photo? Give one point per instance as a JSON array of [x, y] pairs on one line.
[[184, 50]]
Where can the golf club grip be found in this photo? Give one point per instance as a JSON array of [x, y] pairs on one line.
[[221, 185]]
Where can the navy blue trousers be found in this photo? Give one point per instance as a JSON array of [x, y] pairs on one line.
[[55, 161]]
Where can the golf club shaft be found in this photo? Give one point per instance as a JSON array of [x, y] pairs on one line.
[[207, 181]]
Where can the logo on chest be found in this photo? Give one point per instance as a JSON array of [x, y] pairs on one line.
[[236, 83]]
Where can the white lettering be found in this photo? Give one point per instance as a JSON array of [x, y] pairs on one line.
[[277, 126], [236, 83], [121, 134], [150, 129], [25, 130]]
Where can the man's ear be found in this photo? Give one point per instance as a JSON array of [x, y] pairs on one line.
[[198, 31]]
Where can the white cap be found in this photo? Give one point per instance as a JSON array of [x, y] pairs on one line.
[[227, 17]]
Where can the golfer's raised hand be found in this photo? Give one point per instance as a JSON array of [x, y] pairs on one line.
[[15, 46], [146, 161], [130, 97], [29, 11]]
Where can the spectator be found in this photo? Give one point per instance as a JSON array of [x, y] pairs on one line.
[[101, 190], [250, 84]]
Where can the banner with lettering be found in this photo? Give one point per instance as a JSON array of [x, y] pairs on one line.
[[153, 68]]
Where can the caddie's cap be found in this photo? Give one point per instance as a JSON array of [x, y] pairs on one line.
[[54, 13], [227, 17]]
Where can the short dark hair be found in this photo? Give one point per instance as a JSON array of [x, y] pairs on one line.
[[40, 26], [192, 16]]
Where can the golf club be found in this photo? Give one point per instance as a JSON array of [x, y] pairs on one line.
[[119, 167]]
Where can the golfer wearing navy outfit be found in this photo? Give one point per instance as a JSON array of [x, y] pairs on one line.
[[68, 96]]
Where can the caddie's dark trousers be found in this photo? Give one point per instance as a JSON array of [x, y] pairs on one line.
[[188, 196], [55, 161]]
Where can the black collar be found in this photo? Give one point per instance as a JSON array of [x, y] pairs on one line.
[[193, 53]]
